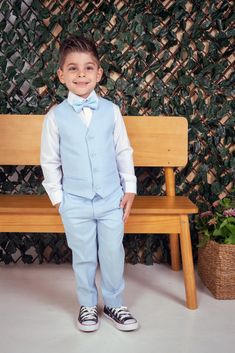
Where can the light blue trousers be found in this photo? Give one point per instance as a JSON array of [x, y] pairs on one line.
[[94, 231]]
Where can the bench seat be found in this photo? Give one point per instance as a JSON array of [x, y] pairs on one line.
[[34, 213]]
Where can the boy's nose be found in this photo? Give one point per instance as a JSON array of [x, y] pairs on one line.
[[81, 74]]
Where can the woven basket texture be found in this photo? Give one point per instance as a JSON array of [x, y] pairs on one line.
[[216, 268]]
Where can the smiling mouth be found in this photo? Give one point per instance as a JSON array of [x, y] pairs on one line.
[[81, 83]]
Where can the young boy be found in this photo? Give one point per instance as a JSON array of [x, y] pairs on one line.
[[88, 170]]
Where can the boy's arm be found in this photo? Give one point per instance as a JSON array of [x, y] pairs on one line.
[[124, 153], [50, 159], [125, 163]]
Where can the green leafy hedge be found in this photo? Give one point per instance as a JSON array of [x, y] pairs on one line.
[[159, 57]]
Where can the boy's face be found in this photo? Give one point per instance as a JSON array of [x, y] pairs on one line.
[[80, 73]]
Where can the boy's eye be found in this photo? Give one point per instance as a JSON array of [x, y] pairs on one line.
[[72, 68], [90, 68]]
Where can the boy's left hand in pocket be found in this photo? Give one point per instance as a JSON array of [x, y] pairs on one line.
[[126, 204]]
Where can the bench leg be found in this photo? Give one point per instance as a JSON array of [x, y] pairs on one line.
[[175, 253], [187, 261]]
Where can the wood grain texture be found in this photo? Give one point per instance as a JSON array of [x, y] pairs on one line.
[[20, 137], [187, 260], [39, 204], [157, 141]]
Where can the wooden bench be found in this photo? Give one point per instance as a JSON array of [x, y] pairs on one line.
[[157, 141]]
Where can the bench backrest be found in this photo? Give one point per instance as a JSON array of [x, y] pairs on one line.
[[157, 141]]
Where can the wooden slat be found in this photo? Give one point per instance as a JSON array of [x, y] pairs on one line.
[[35, 223], [15, 222], [35, 204], [162, 205], [143, 223], [20, 137], [157, 141], [31, 204], [33, 213]]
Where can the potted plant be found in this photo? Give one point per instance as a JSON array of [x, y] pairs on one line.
[[216, 248]]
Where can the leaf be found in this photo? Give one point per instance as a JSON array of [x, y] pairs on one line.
[[231, 238], [133, 111], [139, 29], [3, 63], [10, 72], [38, 82], [61, 91], [216, 188], [4, 86], [185, 80], [3, 24], [10, 249], [110, 84], [27, 259]]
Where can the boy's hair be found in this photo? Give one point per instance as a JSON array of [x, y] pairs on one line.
[[76, 43]]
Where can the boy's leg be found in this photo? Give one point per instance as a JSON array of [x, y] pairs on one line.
[[110, 231], [111, 258], [80, 228]]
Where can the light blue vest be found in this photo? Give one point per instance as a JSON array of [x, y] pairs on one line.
[[88, 154]]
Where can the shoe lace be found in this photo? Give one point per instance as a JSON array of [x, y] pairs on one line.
[[88, 313], [122, 313]]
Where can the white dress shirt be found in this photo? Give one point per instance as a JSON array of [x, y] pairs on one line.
[[50, 155]]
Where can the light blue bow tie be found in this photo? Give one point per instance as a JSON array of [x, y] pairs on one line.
[[79, 104]]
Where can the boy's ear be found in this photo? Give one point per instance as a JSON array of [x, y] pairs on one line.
[[60, 75], [99, 74]]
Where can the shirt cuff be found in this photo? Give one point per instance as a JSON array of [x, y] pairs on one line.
[[56, 197], [130, 187]]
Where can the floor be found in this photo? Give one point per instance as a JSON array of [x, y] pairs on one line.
[[38, 311]]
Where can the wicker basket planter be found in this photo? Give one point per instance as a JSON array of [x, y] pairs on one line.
[[216, 268]]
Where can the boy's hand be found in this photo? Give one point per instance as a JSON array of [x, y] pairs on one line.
[[126, 204]]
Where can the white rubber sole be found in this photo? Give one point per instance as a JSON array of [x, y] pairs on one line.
[[88, 328], [127, 327]]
